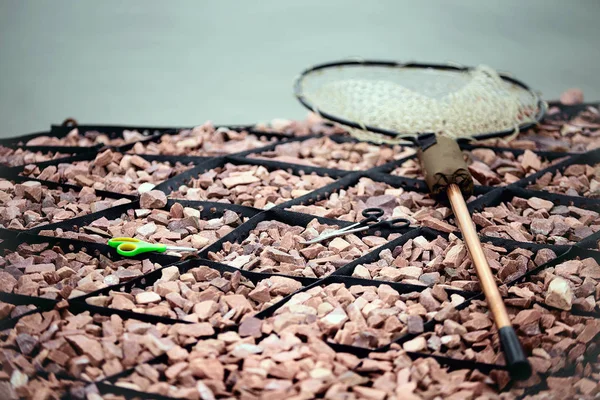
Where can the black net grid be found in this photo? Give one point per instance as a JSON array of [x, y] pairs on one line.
[[385, 314]]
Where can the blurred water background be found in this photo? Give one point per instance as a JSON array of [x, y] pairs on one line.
[[184, 62]]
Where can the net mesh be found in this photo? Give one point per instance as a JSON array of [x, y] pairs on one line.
[[412, 101]]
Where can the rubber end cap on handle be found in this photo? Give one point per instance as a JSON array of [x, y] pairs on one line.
[[516, 361]]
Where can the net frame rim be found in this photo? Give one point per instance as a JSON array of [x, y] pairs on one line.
[[541, 104]]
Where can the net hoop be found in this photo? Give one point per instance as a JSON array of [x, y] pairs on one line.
[[391, 135]]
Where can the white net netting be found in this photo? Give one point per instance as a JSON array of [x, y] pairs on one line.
[[412, 101]]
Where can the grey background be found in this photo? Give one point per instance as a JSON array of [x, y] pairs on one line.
[[183, 62]]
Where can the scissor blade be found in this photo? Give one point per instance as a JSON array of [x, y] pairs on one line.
[[339, 232], [350, 226], [321, 238], [177, 248], [313, 241]]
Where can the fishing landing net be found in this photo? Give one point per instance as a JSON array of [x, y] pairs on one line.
[[432, 106]]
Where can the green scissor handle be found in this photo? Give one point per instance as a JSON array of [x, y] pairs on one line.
[[129, 247]]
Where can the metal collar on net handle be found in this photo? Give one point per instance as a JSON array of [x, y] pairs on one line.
[[444, 164]]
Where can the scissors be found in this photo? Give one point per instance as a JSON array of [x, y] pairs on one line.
[[372, 220], [130, 247]]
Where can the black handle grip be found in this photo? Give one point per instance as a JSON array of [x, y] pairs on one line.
[[396, 223], [516, 361], [373, 212]]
